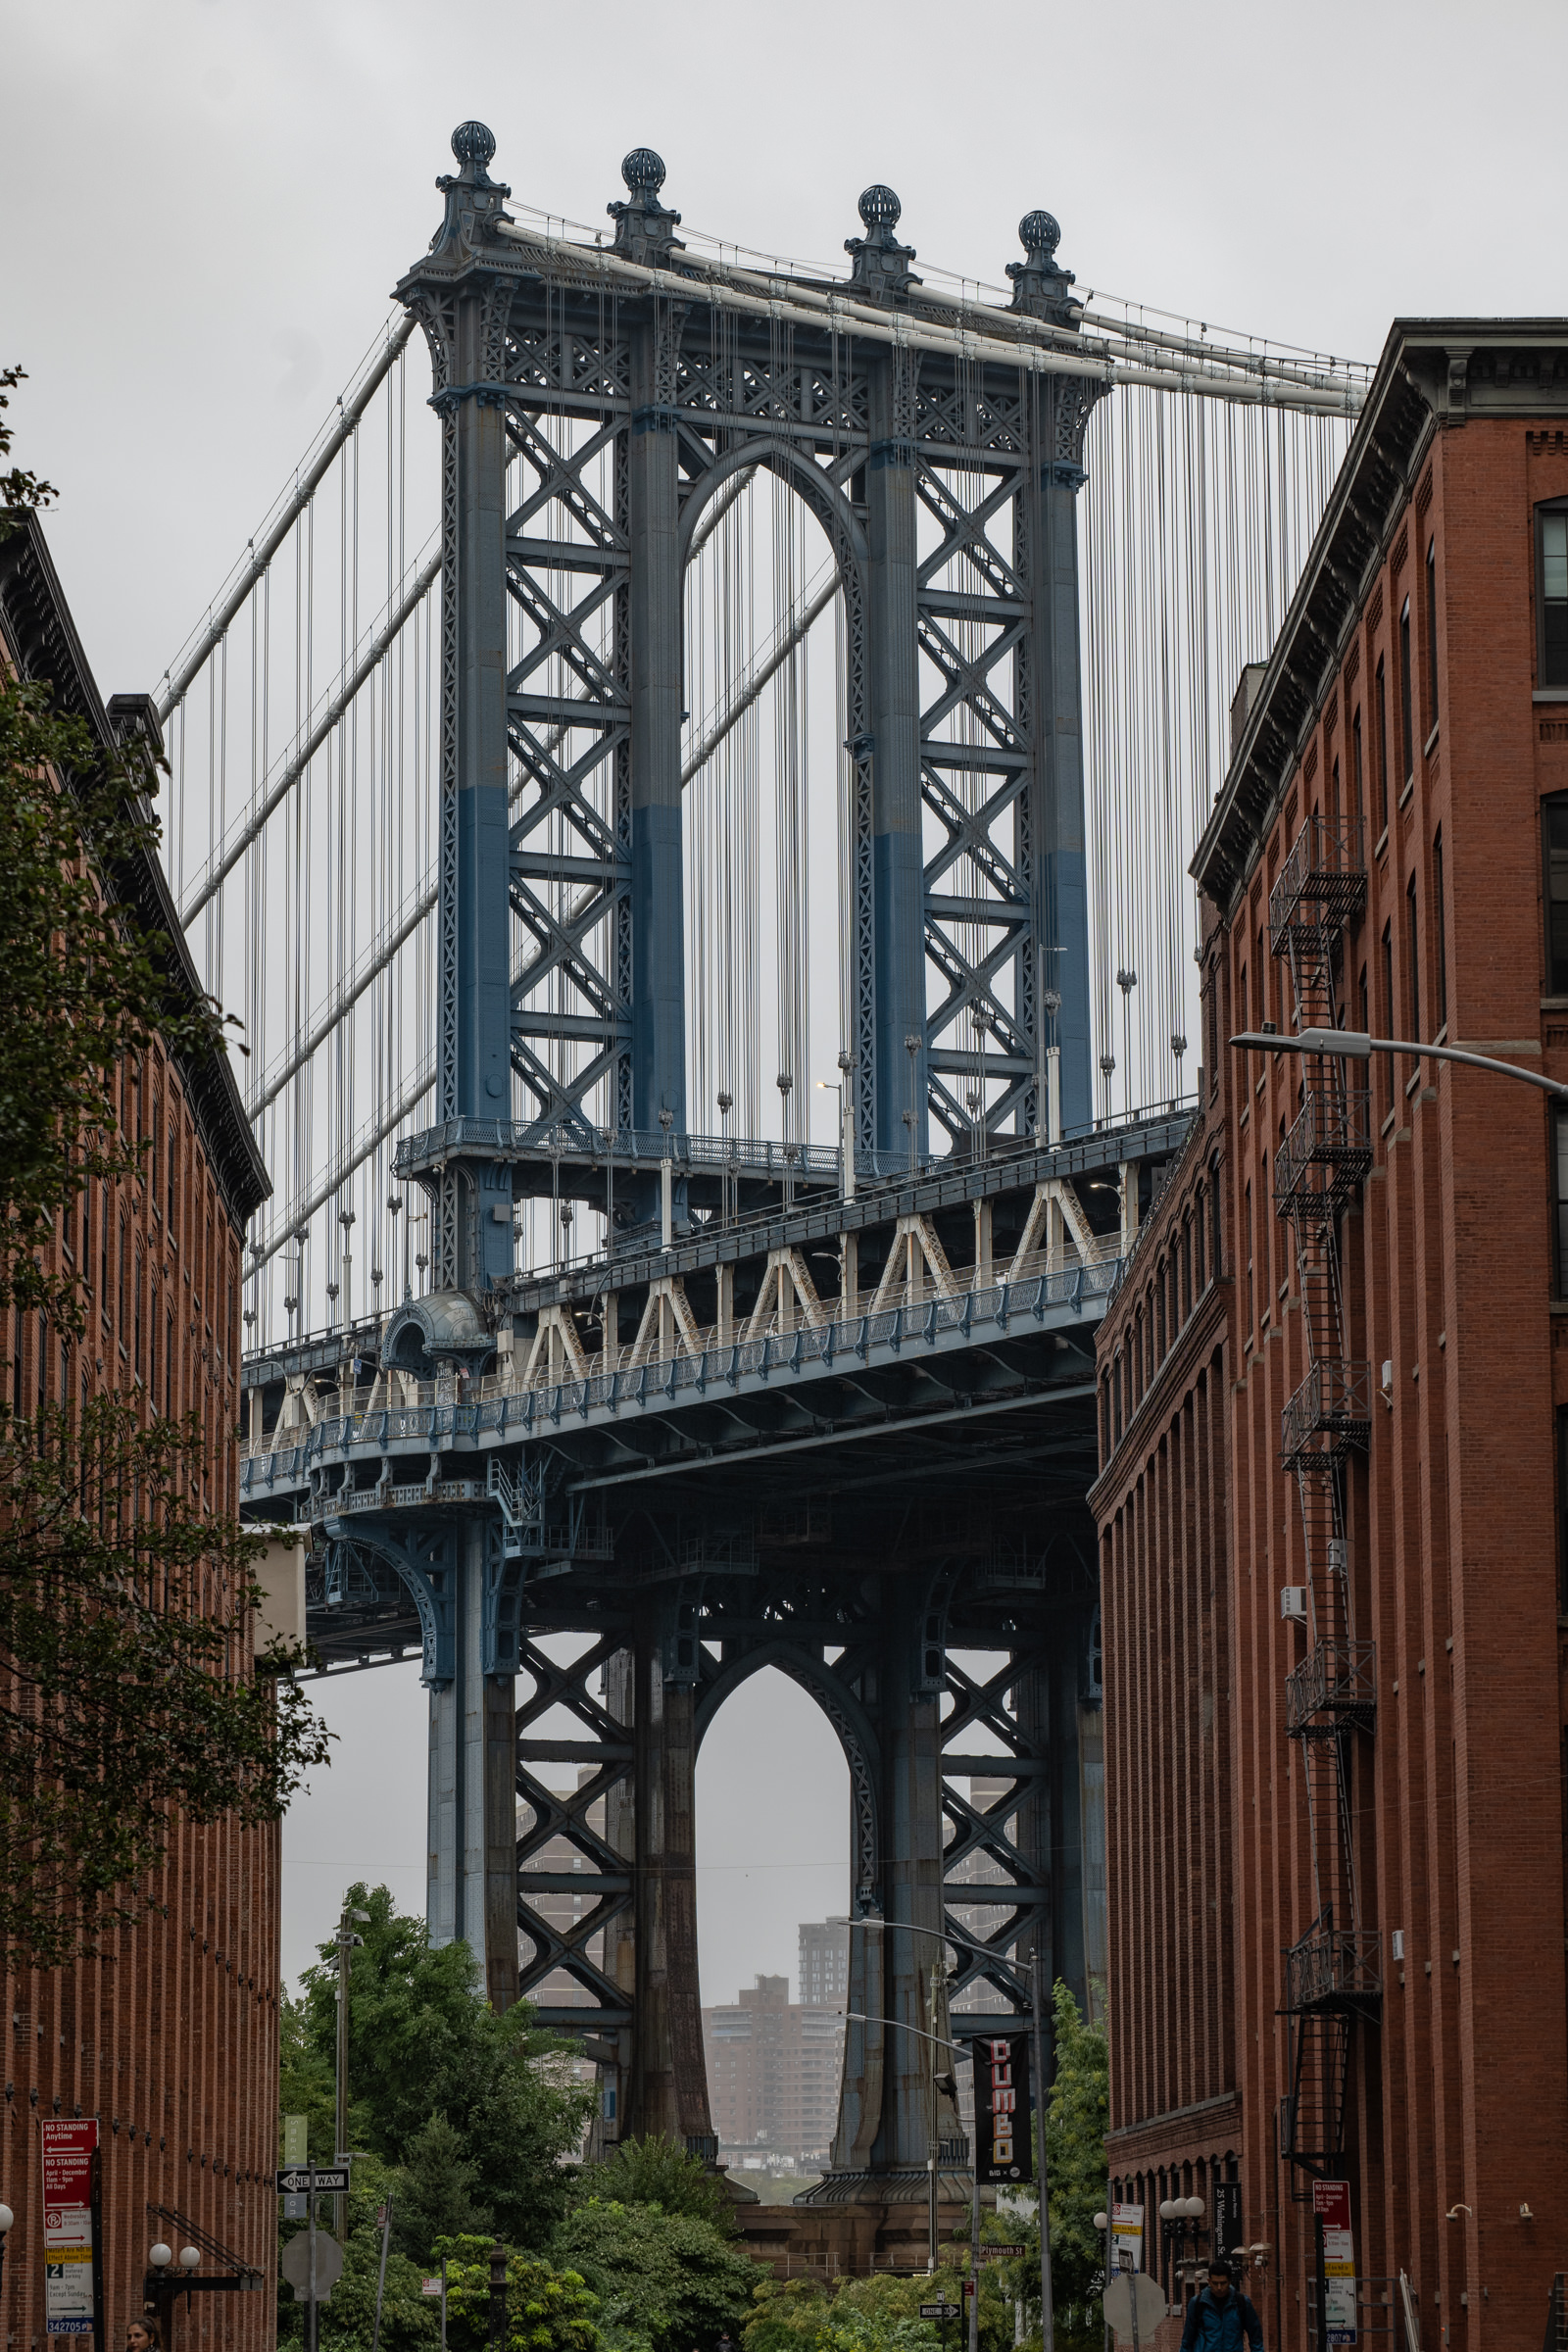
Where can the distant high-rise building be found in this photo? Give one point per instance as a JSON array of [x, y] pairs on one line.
[[825, 1962], [773, 2072]]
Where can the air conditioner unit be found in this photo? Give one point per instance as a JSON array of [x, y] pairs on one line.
[[1293, 1602]]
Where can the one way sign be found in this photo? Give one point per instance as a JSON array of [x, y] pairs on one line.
[[330, 2180]]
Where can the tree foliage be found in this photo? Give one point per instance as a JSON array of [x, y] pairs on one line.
[[547, 2309], [410, 2321], [19, 490], [83, 982], [659, 2172], [664, 2281], [128, 1691], [1077, 2118], [423, 2042], [880, 2314]]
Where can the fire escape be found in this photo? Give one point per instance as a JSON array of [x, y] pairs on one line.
[[1332, 1975]]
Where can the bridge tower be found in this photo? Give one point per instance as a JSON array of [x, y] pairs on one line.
[[941, 456]]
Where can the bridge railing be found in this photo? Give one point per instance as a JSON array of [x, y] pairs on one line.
[[506, 1406]]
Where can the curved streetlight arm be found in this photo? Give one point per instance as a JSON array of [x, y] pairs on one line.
[[858, 2017], [1355, 1044]]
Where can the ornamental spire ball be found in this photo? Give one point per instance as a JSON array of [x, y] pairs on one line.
[[879, 207], [473, 143], [1040, 232], [643, 172]]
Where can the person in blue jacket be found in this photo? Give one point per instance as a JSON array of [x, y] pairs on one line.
[[1220, 2318]]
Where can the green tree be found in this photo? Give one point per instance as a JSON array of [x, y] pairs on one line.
[[129, 1691], [435, 2191], [423, 2041], [873, 2315], [547, 2309], [411, 2321], [664, 2281], [657, 2171], [1077, 2118]]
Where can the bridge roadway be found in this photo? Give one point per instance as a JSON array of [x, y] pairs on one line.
[[913, 1370]]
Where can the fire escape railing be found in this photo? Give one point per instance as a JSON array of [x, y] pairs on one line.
[[1332, 1975]]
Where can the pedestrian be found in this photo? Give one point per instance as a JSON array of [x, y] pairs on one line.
[[724, 2342], [1220, 2318], [142, 2335]]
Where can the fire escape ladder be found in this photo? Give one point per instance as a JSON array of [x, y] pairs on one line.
[[1332, 1973]]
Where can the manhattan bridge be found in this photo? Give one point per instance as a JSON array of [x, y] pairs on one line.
[[694, 811]]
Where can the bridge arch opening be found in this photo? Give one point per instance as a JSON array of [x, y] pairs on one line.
[[771, 586], [773, 1817]]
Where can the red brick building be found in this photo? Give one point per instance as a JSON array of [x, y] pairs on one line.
[[171, 2039], [1335, 1411]]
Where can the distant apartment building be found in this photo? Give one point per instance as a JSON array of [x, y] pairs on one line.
[[825, 1962], [773, 2072]]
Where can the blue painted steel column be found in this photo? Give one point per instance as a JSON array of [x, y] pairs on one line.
[[912, 1894], [473, 1890], [476, 1043], [658, 954], [1060, 941], [897, 860]]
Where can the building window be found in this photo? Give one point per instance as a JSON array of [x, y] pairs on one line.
[[1552, 587], [1383, 749], [1560, 1172], [1216, 1253], [1432, 634], [1412, 940], [1562, 1514], [1554, 856], [1355, 765], [1440, 929], [1406, 717]]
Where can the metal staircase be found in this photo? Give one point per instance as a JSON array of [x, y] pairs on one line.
[[1332, 1975]]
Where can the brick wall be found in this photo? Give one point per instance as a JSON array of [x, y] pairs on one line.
[[1458, 2100], [170, 2037]]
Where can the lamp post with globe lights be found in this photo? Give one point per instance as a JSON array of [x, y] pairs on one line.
[[1181, 2219]]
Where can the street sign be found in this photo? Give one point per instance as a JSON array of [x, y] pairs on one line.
[[939, 2311], [69, 2249], [1003, 2253], [294, 2265], [1119, 2308], [429, 2286], [331, 2179]]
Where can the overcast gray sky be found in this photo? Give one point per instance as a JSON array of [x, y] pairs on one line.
[[206, 205]]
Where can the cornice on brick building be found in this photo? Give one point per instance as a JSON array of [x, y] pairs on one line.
[[39, 636], [1435, 374]]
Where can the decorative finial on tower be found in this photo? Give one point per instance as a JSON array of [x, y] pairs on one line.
[[473, 144], [881, 264], [1038, 284], [645, 228], [473, 199]]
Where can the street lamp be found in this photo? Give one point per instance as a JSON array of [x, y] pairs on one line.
[[911, 1047], [1181, 2219], [726, 1103], [858, 2017], [841, 1088], [1355, 1044]]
